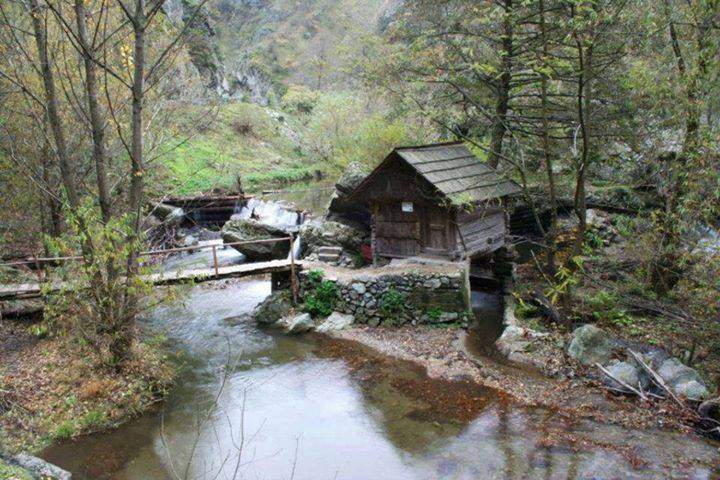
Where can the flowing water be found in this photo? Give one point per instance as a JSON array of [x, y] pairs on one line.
[[308, 407], [257, 404]]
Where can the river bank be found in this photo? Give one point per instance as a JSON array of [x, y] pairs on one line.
[[449, 354], [51, 389], [582, 415]]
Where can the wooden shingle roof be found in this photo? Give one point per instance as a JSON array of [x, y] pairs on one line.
[[456, 172]]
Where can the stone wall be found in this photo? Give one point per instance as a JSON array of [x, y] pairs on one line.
[[398, 298]]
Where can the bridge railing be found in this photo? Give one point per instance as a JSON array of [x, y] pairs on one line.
[[39, 262]]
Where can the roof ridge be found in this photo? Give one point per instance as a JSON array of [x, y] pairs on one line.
[[431, 145]]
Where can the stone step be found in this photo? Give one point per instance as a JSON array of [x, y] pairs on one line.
[[323, 257], [330, 250]]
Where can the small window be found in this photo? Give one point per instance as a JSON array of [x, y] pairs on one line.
[[407, 207]]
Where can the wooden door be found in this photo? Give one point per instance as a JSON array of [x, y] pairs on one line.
[[435, 231], [396, 232]]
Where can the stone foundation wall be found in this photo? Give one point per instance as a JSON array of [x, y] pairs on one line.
[[413, 297]]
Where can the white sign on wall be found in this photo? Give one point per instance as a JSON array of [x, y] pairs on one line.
[[407, 207]]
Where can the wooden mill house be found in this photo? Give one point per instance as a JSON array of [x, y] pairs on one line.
[[435, 200]]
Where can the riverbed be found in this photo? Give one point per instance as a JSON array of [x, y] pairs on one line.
[[254, 403]]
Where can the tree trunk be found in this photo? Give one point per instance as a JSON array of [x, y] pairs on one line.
[[499, 125], [66, 171], [550, 237], [584, 102], [96, 121], [123, 331]]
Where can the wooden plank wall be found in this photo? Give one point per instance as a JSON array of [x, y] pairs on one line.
[[395, 233], [481, 231]]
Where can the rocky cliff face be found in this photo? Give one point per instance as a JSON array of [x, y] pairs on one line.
[[252, 49], [226, 80]]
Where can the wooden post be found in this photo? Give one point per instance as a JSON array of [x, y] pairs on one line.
[[39, 272], [293, 279], [215, 260]]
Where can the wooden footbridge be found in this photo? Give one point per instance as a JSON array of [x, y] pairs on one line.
[[18, 291]]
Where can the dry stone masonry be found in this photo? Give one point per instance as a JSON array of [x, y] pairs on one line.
[[416, 297]]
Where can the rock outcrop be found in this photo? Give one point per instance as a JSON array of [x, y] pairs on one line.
[[515, 344], [353, 175], [343, 211], [316, 234], [626, 373], [242, 230]]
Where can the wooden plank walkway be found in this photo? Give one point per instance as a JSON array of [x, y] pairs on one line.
[[33, 290]]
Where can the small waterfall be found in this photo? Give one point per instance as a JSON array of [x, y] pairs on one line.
[[297, 247], [238, 207], [275, 213]]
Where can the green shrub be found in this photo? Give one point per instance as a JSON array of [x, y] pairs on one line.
[[603, 300], [315, 276], [392, 302], [322, 302], [525, 310], [435, 313]]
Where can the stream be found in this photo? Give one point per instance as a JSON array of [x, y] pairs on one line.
[[254, 403], [309, 407]]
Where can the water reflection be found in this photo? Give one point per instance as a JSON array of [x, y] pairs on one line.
[[313, 408]]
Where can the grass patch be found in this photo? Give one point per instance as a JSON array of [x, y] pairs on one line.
[[243, 139]]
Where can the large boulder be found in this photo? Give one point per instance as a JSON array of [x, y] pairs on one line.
[[336, 321], [591, 345], [627, 373], [273, 308], [243, 230], [316, 234], [682, 379], [297, 323], [353, 175], [339, 209]]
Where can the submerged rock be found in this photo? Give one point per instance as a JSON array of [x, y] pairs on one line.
[[242, 230], [297, 324], [591, 345], [336, 321], [273, 308]]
